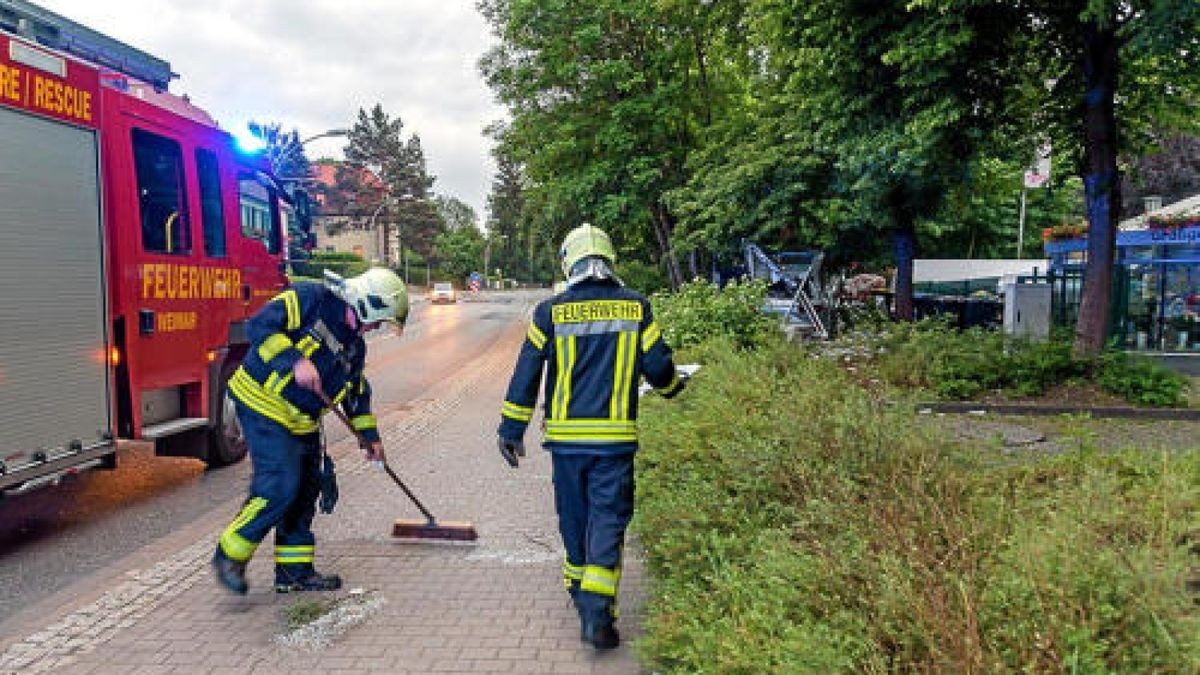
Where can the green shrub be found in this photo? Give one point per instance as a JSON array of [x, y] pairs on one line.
[[1142, 381], [344, 264], [792, 523], [642, 277], [954, 364], [701, 311]]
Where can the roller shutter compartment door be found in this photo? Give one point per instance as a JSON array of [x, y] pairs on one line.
[[53, 381]]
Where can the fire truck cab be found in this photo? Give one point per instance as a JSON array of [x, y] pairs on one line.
[[135, 241]]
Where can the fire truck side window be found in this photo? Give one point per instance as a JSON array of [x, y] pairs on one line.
[[162, 199], [212, 213], [260, 214]]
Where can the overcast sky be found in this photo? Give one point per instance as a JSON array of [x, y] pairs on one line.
[[311, 64]]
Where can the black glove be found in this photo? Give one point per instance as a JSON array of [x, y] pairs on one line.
[[329, 488], [510, 450], [683, 380]]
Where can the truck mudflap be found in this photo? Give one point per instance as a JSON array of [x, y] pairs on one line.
[[48, 466]]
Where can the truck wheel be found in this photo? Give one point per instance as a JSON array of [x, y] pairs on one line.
[[226, 442]]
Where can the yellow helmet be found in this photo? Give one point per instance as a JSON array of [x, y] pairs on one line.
[[582, 242], [375, 295]]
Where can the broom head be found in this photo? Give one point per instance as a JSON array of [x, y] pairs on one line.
[[428, 530]]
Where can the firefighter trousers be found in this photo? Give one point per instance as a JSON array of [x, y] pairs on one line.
[[283, 494], [593, 495]]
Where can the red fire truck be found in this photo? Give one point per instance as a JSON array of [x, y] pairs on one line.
[[135, 241]]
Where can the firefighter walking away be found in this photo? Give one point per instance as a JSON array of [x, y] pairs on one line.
[[306, 344], [596, 339]]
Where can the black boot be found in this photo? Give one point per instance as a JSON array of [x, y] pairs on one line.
[[230, 573], [601, 635], [310, 581]]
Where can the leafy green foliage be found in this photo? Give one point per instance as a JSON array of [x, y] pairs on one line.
[[1138, 379], [793, 523], [702, 310], [344, 264], [460, 251], [643, 277], [931, 355], [959, 365]]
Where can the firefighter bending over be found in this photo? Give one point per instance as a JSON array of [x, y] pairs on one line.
[[597, 339], [306, 343]]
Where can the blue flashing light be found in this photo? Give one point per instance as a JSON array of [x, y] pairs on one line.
[[249, 142]]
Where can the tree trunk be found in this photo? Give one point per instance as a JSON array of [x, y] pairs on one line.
[[662, 231], [904, 243], [1103, 196]]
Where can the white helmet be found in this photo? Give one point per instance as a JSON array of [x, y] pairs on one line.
[[375, 295]]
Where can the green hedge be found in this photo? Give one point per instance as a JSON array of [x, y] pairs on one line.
[[794, 524], [345, 264], [963, 364]]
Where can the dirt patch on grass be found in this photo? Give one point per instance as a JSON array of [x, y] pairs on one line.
[[1073, 393], [1071, 432]]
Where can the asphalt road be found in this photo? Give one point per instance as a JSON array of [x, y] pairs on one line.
[[54, 536]]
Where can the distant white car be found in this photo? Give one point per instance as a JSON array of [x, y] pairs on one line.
[[442, 293]]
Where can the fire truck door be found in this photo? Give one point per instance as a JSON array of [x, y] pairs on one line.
[[167, 339]]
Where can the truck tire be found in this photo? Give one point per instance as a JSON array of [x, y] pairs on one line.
[[226, 442]]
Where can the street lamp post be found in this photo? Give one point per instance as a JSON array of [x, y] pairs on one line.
[[278, 160], [382, 240]]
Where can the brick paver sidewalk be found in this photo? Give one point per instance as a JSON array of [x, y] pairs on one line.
[[498, 606]]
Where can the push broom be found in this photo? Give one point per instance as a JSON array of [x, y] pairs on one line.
[[411, 530]]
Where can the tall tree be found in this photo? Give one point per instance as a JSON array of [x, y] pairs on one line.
[[283, 150], [459, 251], [603, 98], [456, 213], [506, 205], [377, 144], [1118, 70]]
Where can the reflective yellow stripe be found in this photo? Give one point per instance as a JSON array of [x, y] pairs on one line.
[[272, 380], [291, 303], [283, 382], [273, 346], [519, 413], [559, 361], [235, 545], [536, 337], [342, 394], [571, 573], [363, 422], [307, 345], [604, 431], [672, 386], [269, 404], [600, 580], [650, 335], [631, 376], [618, 376], [294, 554], [566, 401]]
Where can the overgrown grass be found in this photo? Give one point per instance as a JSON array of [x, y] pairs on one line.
[[795, 524], [964, 364]]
